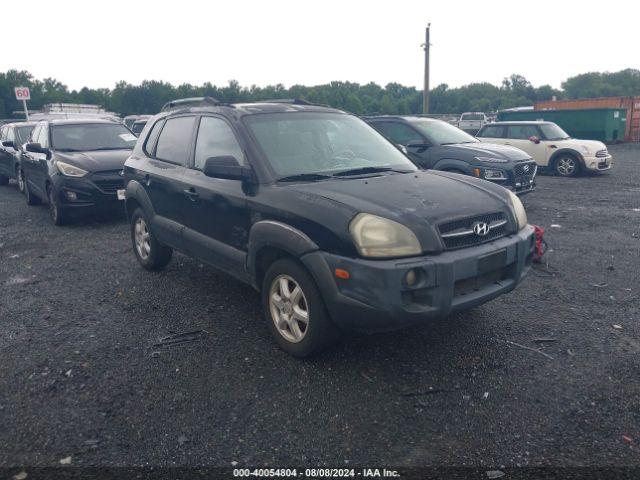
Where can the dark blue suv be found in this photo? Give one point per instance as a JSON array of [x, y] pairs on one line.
[[320, 213]]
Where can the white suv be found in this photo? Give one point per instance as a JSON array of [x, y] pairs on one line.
[[550, 146]]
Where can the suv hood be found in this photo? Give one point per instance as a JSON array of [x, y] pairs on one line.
[[466, 151], [420, 200], [95, 161]]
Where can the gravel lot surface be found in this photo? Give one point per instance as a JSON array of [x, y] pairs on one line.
[[80, 376]]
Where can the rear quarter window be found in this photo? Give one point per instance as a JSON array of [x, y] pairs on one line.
[[152, 137]]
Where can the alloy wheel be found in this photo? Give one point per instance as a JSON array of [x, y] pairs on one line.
[[142, 238], [289, 308], [566, 166]]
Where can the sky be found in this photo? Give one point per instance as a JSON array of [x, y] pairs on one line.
[[262, 42]]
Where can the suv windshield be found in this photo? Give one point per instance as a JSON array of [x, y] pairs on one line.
[[551, 131], [442, 133], [323, 143], [91, 136]]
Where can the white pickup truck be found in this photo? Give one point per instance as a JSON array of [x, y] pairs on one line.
[[471, 122]]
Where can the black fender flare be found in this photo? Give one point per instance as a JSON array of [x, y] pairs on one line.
[[279, 235], [560, 151], [135, 191], [453, 164]]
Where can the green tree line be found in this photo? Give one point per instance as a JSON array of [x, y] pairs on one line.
[[393, 98]]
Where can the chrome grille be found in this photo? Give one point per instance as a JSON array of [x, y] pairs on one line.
[[602, 153], [460, 234]]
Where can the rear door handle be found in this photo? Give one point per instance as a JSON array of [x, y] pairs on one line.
[[192, 194]]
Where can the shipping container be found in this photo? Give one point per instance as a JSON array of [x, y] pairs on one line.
[[630, 104], [604, 124]]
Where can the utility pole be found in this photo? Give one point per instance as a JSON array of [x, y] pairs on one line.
[[425, 93]]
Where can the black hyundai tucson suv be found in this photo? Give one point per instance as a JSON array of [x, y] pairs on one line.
[[76, 166], [325, 217], [438, 145], [12, 137]]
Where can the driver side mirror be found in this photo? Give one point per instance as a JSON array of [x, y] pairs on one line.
[[8, 143], [402, 148], [37, 148], [534, 139], [227, 167]]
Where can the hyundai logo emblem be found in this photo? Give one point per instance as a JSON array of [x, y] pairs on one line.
[[121, 173], [526, 168], [480, 228]]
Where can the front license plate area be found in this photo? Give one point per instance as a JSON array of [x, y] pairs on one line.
[[120, 194], [492, 261]]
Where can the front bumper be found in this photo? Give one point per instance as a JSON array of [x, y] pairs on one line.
[[515, 179], [94, 193], [598, 164], [377, 298]]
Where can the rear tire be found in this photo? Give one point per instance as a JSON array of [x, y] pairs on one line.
[[4, 180], [30, 197], [58, 215], [566, 165], [294, 310], [148, 251]]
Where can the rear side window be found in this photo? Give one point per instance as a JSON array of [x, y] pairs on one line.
[[398, 132], [522, 132], [215, 138], [174, 144], [492, 131]]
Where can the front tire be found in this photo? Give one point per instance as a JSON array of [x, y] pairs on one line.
[[566, 165], [148, 251], [58, 215], [294, 310], [30, 197]]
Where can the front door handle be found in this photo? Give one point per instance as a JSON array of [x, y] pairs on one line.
[[191, 193]]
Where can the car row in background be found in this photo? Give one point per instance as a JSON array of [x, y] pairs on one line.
[[13, 136], [434, 144], [550, 146], [75, 166]]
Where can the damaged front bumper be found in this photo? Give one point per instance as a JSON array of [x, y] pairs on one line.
[[378, 297]]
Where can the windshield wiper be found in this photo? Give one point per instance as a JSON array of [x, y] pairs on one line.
[[365, 170], [68, 150], [304, 177]]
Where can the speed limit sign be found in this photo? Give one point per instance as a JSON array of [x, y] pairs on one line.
[[22, 93]]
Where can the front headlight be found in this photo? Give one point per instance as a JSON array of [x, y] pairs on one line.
[[380, 237], [491, 160], [70, 170], [491, 174], [518, 210]]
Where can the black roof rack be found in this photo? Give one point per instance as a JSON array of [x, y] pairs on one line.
[[190, 102], [293, 101]]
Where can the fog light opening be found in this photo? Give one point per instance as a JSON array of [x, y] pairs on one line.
[[71, 195], [413, 277]]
